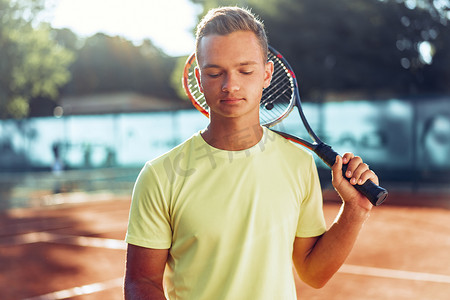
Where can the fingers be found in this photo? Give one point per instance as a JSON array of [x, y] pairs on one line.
[[347, 157], [358, 172]]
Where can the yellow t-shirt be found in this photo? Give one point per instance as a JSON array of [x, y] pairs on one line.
[[229, 217]]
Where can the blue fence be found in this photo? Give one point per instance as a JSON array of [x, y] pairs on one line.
[[402, 139]]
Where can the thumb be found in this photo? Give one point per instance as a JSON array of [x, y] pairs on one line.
[[337, 164], [336, 170]]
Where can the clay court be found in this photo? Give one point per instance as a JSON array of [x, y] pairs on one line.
[[75, 250]]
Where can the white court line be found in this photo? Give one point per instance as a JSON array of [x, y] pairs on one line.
[[81, 290], [36, 237], [121, 245], [395, 274], [94, 242], [348, 269], [28, 238]]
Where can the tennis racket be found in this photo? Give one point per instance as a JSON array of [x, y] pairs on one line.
[[277, 101]]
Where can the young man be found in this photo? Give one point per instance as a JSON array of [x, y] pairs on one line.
[[226, 213]]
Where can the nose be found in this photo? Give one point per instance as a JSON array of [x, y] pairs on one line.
[[231, 83]]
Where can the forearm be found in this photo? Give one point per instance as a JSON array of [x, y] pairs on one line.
[[332, 248], [142, 290], [144, 273]]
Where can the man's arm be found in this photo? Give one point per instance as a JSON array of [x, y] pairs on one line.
[[144, 273], [317, 259]]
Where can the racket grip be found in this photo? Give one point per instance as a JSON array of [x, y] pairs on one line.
[[373, 192]]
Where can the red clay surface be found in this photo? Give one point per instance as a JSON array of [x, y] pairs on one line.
[[76, 251]]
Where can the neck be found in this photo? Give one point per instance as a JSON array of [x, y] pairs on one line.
[[233, 135]]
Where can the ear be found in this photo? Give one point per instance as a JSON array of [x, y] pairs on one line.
[[197, 76], [268, 72]]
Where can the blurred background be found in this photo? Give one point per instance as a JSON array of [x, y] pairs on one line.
[[90, 90]]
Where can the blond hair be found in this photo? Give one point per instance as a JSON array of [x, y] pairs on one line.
[[226, 20]]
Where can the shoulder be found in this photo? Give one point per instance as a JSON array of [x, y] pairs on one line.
[[186, 147], [167, 164], [288, 148]]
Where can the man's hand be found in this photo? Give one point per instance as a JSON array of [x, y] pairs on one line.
[[358, 172]]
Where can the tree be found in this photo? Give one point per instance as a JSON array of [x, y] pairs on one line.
[[176, 77], [438, 10], [32, 64], [373, 47], [108, 64]]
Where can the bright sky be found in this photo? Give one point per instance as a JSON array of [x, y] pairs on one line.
[[168, 23]]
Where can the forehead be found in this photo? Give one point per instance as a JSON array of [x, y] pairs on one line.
[[234, 47]]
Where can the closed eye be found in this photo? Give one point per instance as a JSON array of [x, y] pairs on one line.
[[214, 75]]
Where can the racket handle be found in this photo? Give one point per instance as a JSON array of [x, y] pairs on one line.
[[373, 192]]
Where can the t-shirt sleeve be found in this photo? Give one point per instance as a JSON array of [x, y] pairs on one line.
[[311, 221], [149, 220]]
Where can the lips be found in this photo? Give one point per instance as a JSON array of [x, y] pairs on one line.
[[231, 100]]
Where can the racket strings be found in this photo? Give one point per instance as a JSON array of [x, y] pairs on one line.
[[278, 99], [194, 88], [278, 84], [278, 92]]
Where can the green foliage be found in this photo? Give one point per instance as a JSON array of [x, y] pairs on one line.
[[107, 64], [335, 46], [367, 46], [42, 67], [176, 78], [31, 63]]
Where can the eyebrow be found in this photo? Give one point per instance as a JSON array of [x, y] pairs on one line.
[[245, 63]]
